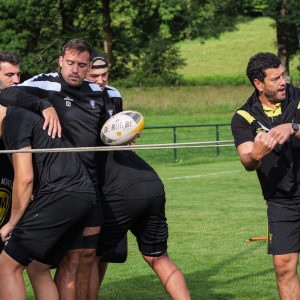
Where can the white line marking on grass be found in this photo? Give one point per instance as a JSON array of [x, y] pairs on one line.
[[204, 175]]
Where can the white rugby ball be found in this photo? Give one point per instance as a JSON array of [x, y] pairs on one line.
[[122, 127]]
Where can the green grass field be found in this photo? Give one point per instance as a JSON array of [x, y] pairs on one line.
[[209, 216], [197, 101], [220, 59]]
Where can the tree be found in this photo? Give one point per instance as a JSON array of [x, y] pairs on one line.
[[107, 34], [38, 29], [287, 17]]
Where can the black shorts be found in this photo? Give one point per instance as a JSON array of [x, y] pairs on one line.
[[283, 228], [119, 254], [97, 216], [144, 217], [49, 226]]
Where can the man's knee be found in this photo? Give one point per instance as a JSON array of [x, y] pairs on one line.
[[88, 256], [71, 260], [285, 265], [9, 266], [154, 261]]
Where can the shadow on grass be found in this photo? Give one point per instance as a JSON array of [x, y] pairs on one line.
[[201, 283]]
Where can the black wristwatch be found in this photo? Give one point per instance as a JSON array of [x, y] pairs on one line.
[[296, 128]]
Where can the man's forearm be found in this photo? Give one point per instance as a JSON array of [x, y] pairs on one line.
[[250, 162], [17, 96], [20, 199]]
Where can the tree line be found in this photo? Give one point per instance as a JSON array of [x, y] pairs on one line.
[[138, 36]]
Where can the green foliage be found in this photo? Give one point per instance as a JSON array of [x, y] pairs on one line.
[[143, 32], [210, 18], [37, 29], [253, 7], [291, 19]]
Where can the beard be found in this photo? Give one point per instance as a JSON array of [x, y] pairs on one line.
[[272, 95], [2, 86]]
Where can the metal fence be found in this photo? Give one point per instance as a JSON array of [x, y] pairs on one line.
[[183, 134]]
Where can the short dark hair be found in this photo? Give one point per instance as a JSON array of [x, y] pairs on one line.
[[259, 63], [79, 45], [12, 58]]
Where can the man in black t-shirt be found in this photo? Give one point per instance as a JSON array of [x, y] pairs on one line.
[[9, 74], [133, 198], [40, 233], [78, 104], [267, 138]]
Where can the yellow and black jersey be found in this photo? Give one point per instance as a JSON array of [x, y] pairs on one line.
[[273, 166], [6, 182]]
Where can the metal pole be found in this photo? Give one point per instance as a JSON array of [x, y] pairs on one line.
[[217, 133], [175, 150]]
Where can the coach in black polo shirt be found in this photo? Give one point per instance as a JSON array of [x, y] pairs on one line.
[[266, 134], [40, 232]]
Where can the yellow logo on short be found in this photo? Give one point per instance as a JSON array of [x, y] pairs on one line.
[[119, 133], [270, 237], [260, 130], [5, 201]]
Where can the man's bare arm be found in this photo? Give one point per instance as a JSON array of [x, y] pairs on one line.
[[282, 132], [251, 153], [22, 190]]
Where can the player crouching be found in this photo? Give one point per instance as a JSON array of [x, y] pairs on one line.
[[40, 232]]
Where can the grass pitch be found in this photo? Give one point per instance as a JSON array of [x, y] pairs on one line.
[[225, 59], [210, 214]]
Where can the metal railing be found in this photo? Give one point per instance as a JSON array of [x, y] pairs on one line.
[[185, 133]]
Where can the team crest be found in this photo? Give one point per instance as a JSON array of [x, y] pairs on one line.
[[5, 200], [110, 111], [93, 103]]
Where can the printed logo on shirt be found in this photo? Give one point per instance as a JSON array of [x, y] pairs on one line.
[[260, 130], [5, 202], [68, 101], [93, 103], [110, 111]]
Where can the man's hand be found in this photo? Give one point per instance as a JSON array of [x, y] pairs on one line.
[[281, 132], [264, 143], [132, 141], [5, 231], [52, 122], [251, 153]]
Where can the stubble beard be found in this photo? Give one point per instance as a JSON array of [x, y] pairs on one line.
[[2, 86], [272, 96]]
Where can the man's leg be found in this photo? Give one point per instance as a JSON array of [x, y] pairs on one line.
[[170, 276], [42, 283], [97, 274], [66, 274], [12, 285], [102, 267], [287, 277], [86, 261]]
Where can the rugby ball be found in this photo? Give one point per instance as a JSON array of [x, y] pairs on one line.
[[122, 127]]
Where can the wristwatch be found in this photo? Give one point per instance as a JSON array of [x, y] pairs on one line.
[[296, 128]]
